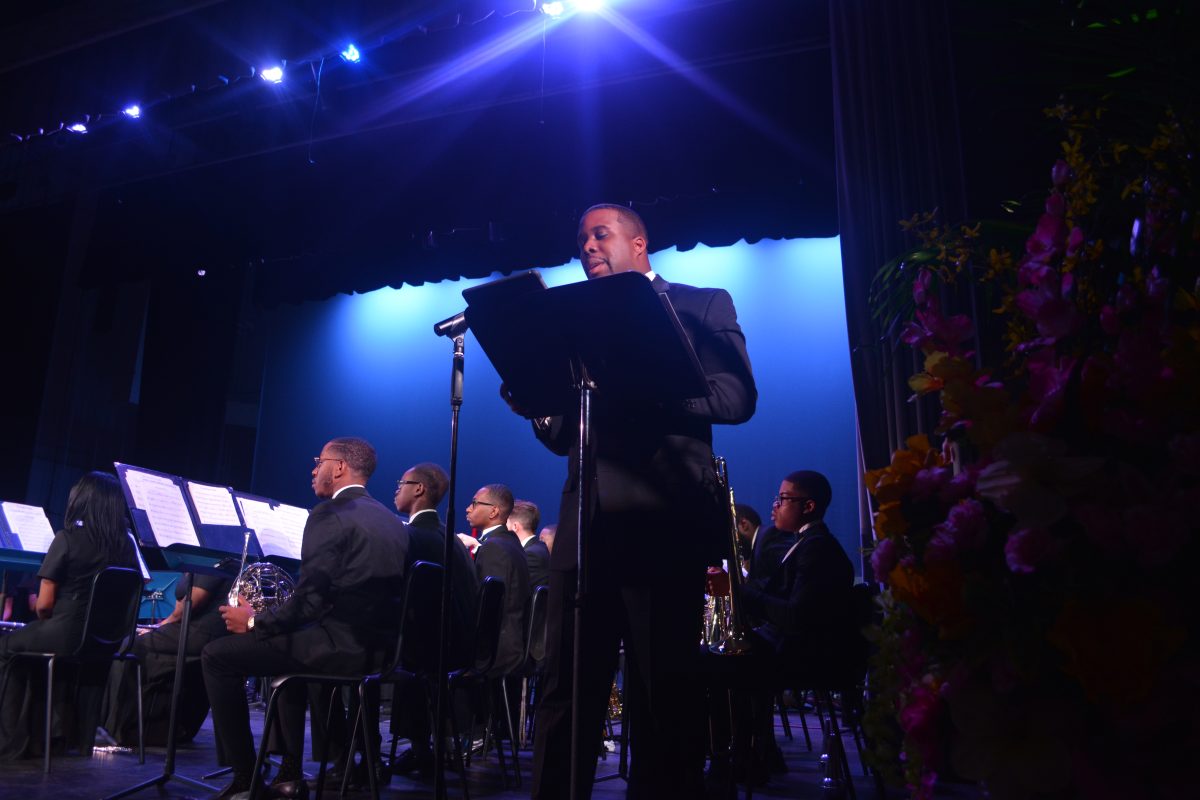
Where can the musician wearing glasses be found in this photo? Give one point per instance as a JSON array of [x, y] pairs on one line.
[[654, 485], [341, 618], [806, 603], [418, 494], [500, 556]]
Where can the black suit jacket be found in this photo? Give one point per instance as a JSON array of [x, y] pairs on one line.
[[537, 556], [654, 463], [501, 556], [427, 535], [345, 609], [808, 603], [767, 556]]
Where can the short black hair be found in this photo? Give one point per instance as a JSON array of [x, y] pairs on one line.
[[742, 511], [358, 454], [502, 496], [433, 478], [815, 485], [628, 217]]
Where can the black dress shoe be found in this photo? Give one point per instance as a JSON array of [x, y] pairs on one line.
[[358, 776], [239, 789], [292, 789], [412, 761]]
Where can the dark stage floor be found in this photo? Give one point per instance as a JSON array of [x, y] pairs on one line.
[[108, 772]]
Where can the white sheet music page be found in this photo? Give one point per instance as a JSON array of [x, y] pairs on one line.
[[214, 504], [162, 500], [30, 524], [287, 534]]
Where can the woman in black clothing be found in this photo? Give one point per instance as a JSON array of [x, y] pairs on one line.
[[94, 536]]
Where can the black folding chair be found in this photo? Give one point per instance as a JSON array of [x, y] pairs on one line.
[[475, 677], [422, 588], [110, 618]]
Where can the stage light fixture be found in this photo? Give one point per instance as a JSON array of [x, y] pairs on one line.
[[589, 5], [133, 112], [351, 55], [78, 127], [272, 74], [554, 9]]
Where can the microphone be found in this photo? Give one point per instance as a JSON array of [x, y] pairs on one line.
[[451, 326]]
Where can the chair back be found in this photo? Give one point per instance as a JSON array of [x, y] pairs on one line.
[[417, 647], [487, 624], [111, 612], [535, 636]]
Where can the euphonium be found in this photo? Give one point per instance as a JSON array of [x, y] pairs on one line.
[[734, 641]]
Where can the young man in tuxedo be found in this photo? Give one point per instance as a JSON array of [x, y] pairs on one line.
[[341, 619], [523, 521]]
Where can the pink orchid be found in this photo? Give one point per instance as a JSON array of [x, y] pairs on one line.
[[1048, 378], [1060, 173], [884, 558], [1029, 548]]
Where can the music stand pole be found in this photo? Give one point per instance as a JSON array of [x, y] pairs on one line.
[[441, 698], [168, 772], [583, 515]]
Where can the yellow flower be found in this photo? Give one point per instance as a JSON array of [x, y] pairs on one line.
[[890, 521]]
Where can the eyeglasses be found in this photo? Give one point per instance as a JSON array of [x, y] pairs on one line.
[[317, 460], [403, 482], [480, 503], [780, 499]]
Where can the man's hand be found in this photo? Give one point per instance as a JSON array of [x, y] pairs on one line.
[[472, 544], [237, 617]]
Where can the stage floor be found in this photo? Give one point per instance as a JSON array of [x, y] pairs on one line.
[[108, 772]]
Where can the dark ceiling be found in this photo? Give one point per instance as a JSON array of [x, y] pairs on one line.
[[468, 139]]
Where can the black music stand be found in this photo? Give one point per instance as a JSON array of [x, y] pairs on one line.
[[614, 335], [188, 560]]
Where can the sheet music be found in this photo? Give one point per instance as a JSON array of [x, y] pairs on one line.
[[141, 561], [162, 500], [30, 524], [280, 529], [214, 504]]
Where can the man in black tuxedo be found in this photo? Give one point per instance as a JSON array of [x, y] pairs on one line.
[[654, 488], [523, 521], [807, 603], [499, 555], [342, 617], [418, 494]]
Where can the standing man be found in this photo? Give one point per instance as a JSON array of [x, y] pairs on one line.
[[342, 617], [499, 555], [523, 521], [654, 485]]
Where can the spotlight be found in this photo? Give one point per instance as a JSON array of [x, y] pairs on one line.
[[554, 9], [272, 74], [351, 55], [589, 5], [78, 127], [133, 112]]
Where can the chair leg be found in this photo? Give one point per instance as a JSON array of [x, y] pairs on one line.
[[49, 713], [458, 750], [512, 738], [261, 760], [141, 717], [783, 716]]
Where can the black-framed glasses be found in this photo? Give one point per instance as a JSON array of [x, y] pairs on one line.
[[480, 503], [403, 482], [780, 499], [317, 460]]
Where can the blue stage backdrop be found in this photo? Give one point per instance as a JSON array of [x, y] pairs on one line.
[[369, 365]]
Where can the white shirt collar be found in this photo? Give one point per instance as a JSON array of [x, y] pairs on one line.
[[799, 538], [344, 488]]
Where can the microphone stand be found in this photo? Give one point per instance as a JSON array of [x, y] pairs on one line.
[[587, 467], [455, 327]]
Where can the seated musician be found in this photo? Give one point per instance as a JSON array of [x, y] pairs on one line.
[[95, 535], [156, 648], [340, 620]]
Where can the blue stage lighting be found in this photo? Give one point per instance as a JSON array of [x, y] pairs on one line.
[[272, 74], [554, 9], [78, 127], [133, 112], [351, 54], [589, 5]]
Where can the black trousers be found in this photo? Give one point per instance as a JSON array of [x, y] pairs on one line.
[[659, 622]]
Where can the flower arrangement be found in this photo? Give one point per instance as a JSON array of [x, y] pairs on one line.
[[1035, 552]]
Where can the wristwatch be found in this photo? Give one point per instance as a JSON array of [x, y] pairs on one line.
[[250, 624]]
